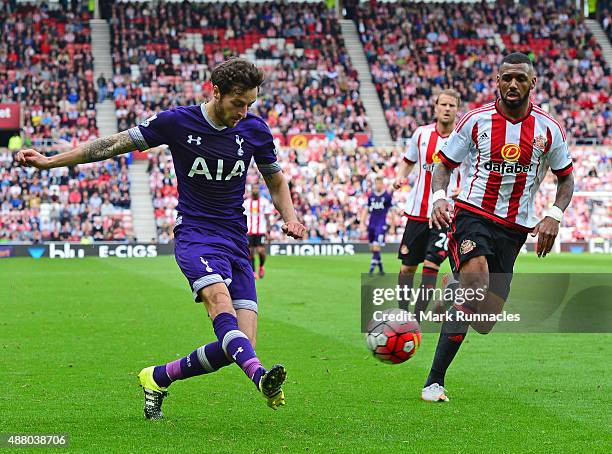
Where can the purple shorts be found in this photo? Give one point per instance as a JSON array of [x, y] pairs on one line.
[[208, 253], [376, 234]]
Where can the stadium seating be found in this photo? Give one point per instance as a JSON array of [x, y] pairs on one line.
[[311, 88], [606, 23], [87, 203], [164, 190], [47, 65], [164, 53], [588, 216], [416, 49]]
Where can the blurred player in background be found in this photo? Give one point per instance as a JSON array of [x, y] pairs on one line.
[[379, 203], [212, 145], [257, 210], [511, 143], [421, 242]]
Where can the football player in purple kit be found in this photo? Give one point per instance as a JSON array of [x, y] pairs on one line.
[[379, 202], [212, 145]]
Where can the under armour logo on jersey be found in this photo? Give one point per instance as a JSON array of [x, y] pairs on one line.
[[239, 141], [240, 350], [205, 263], [197, 140]]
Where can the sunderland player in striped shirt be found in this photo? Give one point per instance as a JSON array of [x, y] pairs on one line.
[[257, 210], [212, 145], [511, 144], [421, 243]]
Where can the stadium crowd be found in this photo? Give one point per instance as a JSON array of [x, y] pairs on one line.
[[46, 65], [416, 49], [330, 183], [606, 23], [163, 54], [87, 203]]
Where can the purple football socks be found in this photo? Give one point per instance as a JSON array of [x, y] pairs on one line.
[[206, 359]]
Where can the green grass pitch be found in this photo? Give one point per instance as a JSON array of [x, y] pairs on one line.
[[74, 334]]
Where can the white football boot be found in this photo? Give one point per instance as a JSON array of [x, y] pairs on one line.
[[434, 393]]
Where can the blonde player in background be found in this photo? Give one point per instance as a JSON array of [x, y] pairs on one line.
[[422, 243]]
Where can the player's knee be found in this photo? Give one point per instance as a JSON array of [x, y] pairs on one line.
[[474, 276], [475, 265], [408, 269], [217, 300]]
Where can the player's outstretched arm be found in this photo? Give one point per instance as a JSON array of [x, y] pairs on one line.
[[548, 228], [281, 197], [440, 213], [97, 150]]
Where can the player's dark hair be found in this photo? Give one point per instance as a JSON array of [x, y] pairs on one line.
[[236, 75], [517, 58]]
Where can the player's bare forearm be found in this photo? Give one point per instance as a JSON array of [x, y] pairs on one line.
[[281, 196], [548, 228], [441, 177], [97, 150], [440, 212], [404, 170], [565, 190]]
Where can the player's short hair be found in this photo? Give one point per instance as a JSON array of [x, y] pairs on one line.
[[236, 75], [517, 58], [450, 92], [379, 178]]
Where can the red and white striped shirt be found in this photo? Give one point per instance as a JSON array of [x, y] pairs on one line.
[[423, 151], [508, 161], [257, 212]]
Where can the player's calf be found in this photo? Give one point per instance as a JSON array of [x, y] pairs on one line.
[[261, 251], [492, 305], [375, 260], [205, 360], [428, 283], [405, 279]]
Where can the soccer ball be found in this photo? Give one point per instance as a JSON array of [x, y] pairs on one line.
[[392, 337]]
